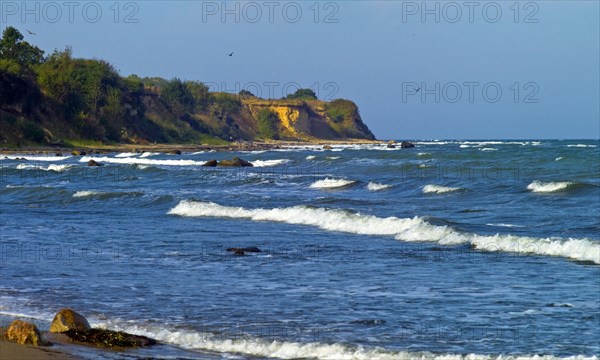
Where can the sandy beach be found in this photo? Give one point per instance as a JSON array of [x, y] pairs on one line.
[[12, 351]]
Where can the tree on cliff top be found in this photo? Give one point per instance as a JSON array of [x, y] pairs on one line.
[[12, 47], [302, 94]]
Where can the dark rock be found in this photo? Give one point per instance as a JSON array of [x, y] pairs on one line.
[[82, 153], [75, 153], [211, 163], [67, 319], [174, 152], [24, 333], [109, 338], [59, 154], [406, 145], [391, 146], [235, 162], [248, 249], [327, 147], [93, 163]]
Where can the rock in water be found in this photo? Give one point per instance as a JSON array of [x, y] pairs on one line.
[[406, 145], [93, 163], [174, 152], [24, 333], [67, 319], [327, 147], [109, 338], [235, 162], [210, 163], [391, 146]]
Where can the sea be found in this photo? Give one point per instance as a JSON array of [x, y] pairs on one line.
[[453, 249]]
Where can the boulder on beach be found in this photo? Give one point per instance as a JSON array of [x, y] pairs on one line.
[[210, 163], [235, 162], [391, 146], [406, 145], [75, 153], [25, 333], [67, 319], [109, 338], [327, 147], [93, 163]]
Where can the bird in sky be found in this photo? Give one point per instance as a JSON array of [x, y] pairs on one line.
[[419, 89], [31, 32], [230, 54]]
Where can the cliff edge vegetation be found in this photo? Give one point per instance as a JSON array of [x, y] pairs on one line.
[[62, 100]]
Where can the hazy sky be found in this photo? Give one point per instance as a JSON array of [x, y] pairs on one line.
[[501, 69]]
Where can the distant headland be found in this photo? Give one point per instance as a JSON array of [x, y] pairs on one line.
[[59, 100]]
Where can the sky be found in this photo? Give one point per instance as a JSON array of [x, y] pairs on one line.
[[416, 69]]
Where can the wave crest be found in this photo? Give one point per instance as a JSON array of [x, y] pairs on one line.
[[438, 189], [548, 187], [406, 229], [331, 183]]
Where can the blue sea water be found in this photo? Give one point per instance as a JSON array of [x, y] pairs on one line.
[[450, 249]]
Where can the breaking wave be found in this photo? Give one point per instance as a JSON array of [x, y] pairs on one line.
[[376, 187], [331, 183], [438, 189], [548, 187], [406, 229]]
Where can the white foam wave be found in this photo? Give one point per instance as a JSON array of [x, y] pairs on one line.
[[505, 225], [547, 187], [406, 229], [80, 194], [148, 154], [51, 167], [438, 189], [144, 161], [559, 158], [126, 154], [582, 146], [423, 154], [376, 187], [333, 157], [268, 163], [488, 149], [331, 183], [310, 157], [35, 158], [261, 347]]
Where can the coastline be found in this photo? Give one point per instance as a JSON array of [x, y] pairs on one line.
[[10, 350], [169, 148]]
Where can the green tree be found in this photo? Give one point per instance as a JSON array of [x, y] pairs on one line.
[[200, 93], [303, 94], [12, 47], [268, 124], [178, 96]]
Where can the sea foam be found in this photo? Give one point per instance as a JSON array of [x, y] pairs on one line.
[[438, 189], [406, 229], [548, 187], [282, 349], [377, 187], [51, 167], [331, 183]]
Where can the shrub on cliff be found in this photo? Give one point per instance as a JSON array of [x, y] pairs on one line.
[[302, 94], [268, 124]]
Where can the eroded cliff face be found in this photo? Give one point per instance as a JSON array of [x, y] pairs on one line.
[[312, 120]]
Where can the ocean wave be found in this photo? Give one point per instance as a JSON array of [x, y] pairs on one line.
[[144, 161], [268, 163], [148, 154], [376, 187], [438, 189], [331, 183], [86, 193], [488, 149], [281, 349], [559, 158], [51, 167], [582, 145], [35, 158], [406, 229], [310, 157], [126, 154], [548, 187]]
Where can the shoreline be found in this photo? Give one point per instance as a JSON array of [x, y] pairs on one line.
[[166, 148], [11, 350]]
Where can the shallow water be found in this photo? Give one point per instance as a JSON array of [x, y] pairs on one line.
[[368, 252]]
